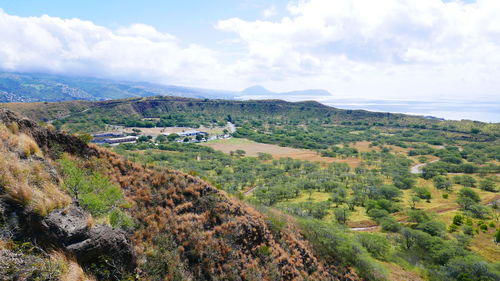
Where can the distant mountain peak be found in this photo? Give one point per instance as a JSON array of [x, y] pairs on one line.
[[256, 90]]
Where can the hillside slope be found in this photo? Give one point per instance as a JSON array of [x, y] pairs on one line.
[[184, 229], [88, 116], [36, 87], [85, 116]]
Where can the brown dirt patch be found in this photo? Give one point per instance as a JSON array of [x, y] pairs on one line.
[[254, 148]]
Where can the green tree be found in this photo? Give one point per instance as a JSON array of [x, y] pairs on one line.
[[161, 138], [487, 184], [413, 201], [339, 196], [465, 180], [469, 193], [341, 215], [441, 182], [422, 193], [239, 152], [172, 137]]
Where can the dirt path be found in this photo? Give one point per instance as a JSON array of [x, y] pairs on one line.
[[231, 127], [248, 192], [364, 228], [417, 169]]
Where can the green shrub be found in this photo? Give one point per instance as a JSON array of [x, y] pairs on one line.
[[377, 245], [458, 220], [377, 214], [91, 190], [469, 230], [331, 242], [470, 268], [418, 216], [434, 228], [119, 219], [452, 228], [422, 193], [389, 224], [488, 185], [483, 227]]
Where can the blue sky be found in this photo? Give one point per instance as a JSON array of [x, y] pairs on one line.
[[192, 20], [372, 49]]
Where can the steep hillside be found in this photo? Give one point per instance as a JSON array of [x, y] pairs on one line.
[[181, 229]]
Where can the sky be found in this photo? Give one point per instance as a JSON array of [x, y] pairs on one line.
[[367, 49]]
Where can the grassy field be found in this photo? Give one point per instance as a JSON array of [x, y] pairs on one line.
[[254, 148]]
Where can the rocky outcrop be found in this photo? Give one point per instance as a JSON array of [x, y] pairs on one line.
[[50, 141], [69, 230]]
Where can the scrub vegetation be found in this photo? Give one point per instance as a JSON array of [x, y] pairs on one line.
[[420, 202]]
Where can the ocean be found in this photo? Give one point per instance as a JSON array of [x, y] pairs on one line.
[[486, 111]]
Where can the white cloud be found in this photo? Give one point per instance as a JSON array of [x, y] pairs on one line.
[[385, 47], [354, 48], [269, 12], [75, 46]]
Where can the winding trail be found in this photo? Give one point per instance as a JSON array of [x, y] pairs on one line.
[[248, 192], [417, 169], [231, 127]]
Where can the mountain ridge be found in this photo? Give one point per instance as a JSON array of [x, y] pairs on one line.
[[260, 92], [42, 87]]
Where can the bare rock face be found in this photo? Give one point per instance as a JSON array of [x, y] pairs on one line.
[[69, 229]]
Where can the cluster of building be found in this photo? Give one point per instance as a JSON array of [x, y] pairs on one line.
[[191, 135], [112, 138]]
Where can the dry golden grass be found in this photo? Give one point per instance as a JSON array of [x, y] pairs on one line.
[[72, 271], [484, 245], [254, 148], [19, 142], [90, 221], [27, 182], [13, 128], [27, 146], [6, 245]]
